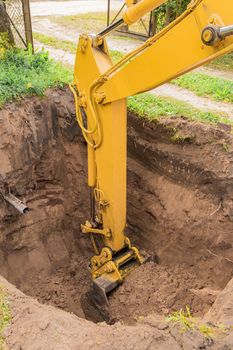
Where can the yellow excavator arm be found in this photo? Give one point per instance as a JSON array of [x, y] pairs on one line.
[[203, 32]]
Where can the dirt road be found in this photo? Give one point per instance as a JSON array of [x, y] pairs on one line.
[[65, 8]]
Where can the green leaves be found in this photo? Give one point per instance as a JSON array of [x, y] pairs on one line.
[[5, 315], [23, 73], [203, 85], [153, 107], [170, 11]]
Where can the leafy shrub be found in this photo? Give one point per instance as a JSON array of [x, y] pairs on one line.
[[4, 44], [23, 73]]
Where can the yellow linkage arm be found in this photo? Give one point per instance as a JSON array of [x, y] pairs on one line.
[[134, 13], [174, 51]]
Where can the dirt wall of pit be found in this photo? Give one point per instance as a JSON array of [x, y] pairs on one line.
[[43, 162]]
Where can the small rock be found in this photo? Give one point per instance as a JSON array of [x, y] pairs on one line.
[[163, 326], [44, 325]]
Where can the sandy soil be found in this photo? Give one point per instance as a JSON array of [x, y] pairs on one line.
[[64, 8], [47, 27], [216, 73], [36, 327]]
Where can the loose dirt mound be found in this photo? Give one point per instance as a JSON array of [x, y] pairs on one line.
[[158, 289], [35, 327], [180, 209]]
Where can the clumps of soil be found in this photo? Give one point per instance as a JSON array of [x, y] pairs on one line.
[[157, 289], [180, 209], [35, 326], [63, 288]]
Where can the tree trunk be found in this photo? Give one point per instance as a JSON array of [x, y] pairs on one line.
[[5, 26], [153, 23], [168, 16]]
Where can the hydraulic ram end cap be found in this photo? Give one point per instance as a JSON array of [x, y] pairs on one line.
[[212, 34], [140, 9]]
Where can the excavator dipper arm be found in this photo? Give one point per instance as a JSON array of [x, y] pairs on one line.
[[202, 33]]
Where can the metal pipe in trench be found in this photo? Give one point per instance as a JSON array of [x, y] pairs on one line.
[[16, 203]]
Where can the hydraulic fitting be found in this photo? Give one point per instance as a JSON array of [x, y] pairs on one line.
[[213, 34]]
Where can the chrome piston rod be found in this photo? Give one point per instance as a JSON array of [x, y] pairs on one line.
[[226, 31]]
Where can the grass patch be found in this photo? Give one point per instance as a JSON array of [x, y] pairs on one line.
[[65, 45], [116, 55], [183, 318], [5, 316], [24, 74], [224, 63], [83, 23], [154, 107], [69, 46], [186, 322], [203, 85]]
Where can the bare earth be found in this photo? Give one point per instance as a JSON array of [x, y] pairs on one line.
[[65, 8], [39, 327]]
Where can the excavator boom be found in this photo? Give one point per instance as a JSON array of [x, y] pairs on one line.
[[203, 32]]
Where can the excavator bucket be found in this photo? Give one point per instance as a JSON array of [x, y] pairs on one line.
[[95, 303]]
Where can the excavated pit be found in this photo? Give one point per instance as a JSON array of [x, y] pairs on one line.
[[180, 209]]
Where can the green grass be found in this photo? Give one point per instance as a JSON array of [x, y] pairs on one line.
[[24, 74], [186, 322], [65, 45], [83, 23], [183, 318], [203, 85], [116, 55], [224, 63], [69, 46], [154, 107], [5, 316]]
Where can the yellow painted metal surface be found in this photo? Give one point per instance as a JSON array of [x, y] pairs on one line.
[[173, 52], [107, 163], [131, 2]]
